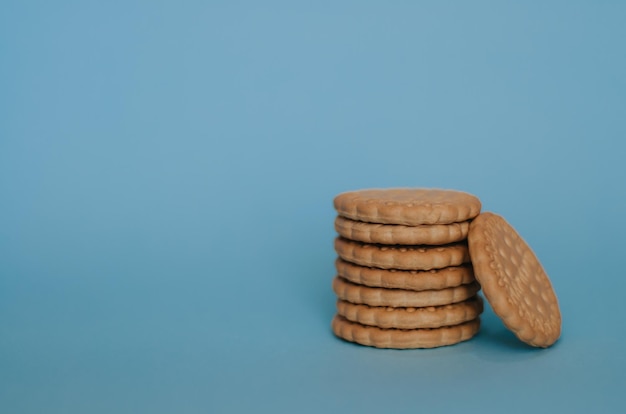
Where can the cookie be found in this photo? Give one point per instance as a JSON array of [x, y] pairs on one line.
[[400, 298], [402, 257], [407, 206], [432, 234], [514, 282], [405, 279], [403, 338], [412, 318]]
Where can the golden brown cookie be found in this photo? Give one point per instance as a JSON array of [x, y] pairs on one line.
[[514, 282], [402, 257], [405, 279], [407, 206], [403, 338], [411, 318], [400, 298], [432, 234]]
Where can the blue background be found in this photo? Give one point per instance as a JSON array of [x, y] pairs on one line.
[[167, 172]]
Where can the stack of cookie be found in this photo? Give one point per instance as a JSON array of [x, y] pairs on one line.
[[404, 278]]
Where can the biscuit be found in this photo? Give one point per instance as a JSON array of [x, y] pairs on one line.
[[514, 282], [407, 206], [400, 298], [403, 338], [405, 279], [432, 234], [411, 318], [402, 257]]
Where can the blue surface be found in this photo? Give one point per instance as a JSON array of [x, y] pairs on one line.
[[167, 172]]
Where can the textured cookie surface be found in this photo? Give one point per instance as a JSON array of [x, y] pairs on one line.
[[403, 338], [433, 234], [407, 206], [405, 279], [411, 318], [401, 257], [514, 282], [401, 298]]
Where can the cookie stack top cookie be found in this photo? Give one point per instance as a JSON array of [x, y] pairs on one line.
[[407, 206]]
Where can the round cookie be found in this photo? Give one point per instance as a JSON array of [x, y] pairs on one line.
[[514, 282], [407, 206], [405, 279], [399, 298], [403, 338], [411, 318], [400, 257], [432, 234]]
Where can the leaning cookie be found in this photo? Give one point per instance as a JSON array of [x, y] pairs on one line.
[[400, 298], [412, 318], [514, 282], [431, 234], [403, 338], [402, 257]]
